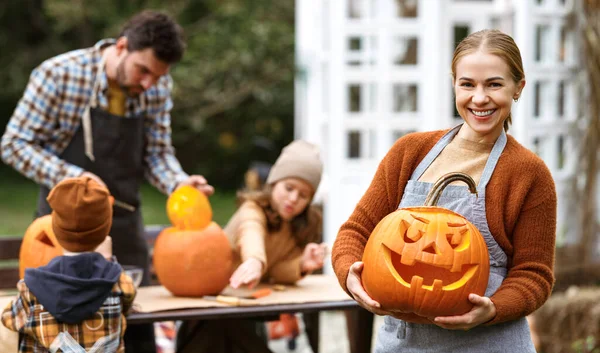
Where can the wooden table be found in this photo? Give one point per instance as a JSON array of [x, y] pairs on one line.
[[313, 294], [360, 321]]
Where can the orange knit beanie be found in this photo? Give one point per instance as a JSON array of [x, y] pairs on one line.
[[82, 213]]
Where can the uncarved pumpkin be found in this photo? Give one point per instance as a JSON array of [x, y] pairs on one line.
[[425, 261], [188, 208], [193, 263], [39, 245]]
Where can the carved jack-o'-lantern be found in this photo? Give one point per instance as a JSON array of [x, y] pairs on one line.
[[39, 245], [425, 261]]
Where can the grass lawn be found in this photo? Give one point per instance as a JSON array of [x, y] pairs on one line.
[[18, 199]]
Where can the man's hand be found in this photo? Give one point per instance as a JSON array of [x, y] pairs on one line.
[[313, 257], [199, 183], [105, 248], [248, 273]]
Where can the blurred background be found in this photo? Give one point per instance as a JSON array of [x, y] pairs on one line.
[[351, 76], [233, 92]]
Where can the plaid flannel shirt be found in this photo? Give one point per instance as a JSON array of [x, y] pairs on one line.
[[49, 113], [39, 330]]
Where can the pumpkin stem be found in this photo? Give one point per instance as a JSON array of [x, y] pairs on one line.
[[439, 186]]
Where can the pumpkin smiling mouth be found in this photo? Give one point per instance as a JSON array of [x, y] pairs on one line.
[[424, 275]]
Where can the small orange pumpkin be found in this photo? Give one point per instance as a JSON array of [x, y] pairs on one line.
[[193, 263], [39, 245], [425, 261], [188, 208]]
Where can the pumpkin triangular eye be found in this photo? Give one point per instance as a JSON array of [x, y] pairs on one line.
[[412, 235], [454, 239], [420, 219], [44, 239]]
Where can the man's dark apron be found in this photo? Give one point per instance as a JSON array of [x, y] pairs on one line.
[[118, 149]]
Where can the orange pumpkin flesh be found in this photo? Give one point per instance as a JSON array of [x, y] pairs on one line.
[[193, 263], [188, 208], [425, 261], [39, 245]]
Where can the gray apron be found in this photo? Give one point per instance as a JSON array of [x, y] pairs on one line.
[[398, 336], [118, 150]]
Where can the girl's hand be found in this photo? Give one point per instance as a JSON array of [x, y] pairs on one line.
[[248, 273], [483, 311], [355, 287], [313, 257]]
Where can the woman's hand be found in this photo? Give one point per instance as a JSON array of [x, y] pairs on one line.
[[248, 273], [483, 311], [355, 287], [313, 257]]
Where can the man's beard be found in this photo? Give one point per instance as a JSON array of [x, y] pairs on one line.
[[131, 91]]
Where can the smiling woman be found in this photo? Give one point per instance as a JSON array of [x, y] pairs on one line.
[[485, 87], [514, 210]]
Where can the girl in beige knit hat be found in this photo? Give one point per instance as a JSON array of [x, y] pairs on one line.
[[275, 234]]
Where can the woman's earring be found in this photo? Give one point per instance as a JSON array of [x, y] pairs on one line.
[[516, 99]]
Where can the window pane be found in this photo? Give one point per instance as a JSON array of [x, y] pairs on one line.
[[406, 8], [460, 33], [561, 152], [404, 97], [353, 144], [404, 51], [356, 9], [354, 98], [542, 37], [561, 99]]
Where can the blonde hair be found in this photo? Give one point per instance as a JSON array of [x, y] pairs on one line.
[[496, 43]]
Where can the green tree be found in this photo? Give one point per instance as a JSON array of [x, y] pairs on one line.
[[234, 85]]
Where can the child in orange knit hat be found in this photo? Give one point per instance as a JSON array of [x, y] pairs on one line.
[[77, 302]]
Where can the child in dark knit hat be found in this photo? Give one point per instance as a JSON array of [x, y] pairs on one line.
[[77, 302]]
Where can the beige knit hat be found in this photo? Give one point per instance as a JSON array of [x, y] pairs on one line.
[[299, 159], [82, 213]]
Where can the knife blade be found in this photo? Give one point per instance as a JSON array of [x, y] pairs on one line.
[[239, 299]]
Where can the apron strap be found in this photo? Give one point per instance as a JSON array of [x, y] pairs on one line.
[[492, 161], [87, 122]]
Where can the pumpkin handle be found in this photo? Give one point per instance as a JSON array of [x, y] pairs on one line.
[[445, 180]]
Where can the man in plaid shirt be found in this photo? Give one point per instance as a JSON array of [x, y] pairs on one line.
[[76, 303], [104, 112]]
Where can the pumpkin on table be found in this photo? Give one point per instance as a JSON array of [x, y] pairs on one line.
[[425, 261], [193, 258], [39, 245]]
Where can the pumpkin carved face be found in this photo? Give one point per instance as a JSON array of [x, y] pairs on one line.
[[39, 245], [426, 260]]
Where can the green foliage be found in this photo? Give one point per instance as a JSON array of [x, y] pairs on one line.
[[234, 85], [586, 345], [18, 203]]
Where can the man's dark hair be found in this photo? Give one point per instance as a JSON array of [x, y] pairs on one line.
[[156, 30]]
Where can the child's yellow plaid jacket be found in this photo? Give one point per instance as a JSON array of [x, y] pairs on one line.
[[80, 304]]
